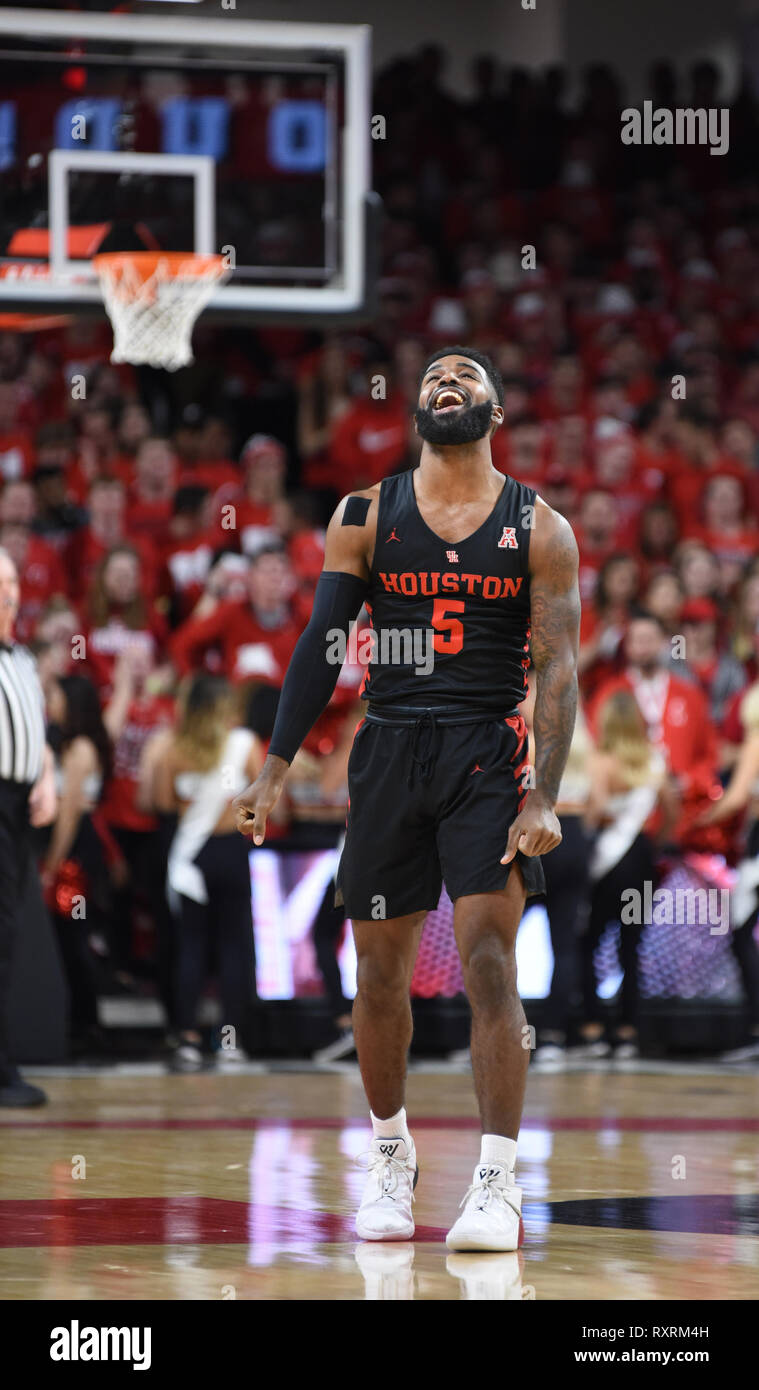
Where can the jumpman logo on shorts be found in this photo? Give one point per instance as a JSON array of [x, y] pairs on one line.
[[476, 768]]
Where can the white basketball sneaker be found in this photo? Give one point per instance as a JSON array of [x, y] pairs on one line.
[[492, 1215], [385, 1211]]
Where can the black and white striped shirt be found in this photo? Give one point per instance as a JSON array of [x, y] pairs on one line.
[[22, 715]]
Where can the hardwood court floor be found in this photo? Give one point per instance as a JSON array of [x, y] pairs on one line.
[[214, 1186]]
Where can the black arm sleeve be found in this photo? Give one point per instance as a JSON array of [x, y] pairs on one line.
[[311, 678]]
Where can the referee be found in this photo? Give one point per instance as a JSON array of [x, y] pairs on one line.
[[27, 797]]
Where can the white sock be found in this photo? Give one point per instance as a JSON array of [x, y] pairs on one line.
[[394, 1128], [497, 1149]]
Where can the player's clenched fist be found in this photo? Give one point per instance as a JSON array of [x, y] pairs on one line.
[[536, 830], [255, 804]]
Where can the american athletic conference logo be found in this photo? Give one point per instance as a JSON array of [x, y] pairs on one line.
[[508, 539]]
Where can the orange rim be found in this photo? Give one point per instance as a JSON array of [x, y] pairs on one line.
[[178, 265]]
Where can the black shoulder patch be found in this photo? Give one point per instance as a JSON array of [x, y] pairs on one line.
[[356, 511]]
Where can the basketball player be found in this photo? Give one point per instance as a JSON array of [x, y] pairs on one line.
[[480, 567]]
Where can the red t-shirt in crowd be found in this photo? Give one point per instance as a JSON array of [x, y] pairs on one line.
[[210, 473], [368, 442], [249, 651], [306, 551], [255, 526], [683, 725], [654, 467], [685, 486], [608, 658], [186, 564], [79, 478], [592, 558], [148, 519], [41, 577], [679, 722], [146, 713], [105, 644]]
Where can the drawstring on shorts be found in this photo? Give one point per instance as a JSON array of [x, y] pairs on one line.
[[425, 725], [423, 749]]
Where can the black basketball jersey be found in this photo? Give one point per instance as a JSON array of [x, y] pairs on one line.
[[451, 621]]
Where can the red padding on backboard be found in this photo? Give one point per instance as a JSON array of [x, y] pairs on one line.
[[81, 242]]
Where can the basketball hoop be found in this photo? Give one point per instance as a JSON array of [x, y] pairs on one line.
[[153, 299]]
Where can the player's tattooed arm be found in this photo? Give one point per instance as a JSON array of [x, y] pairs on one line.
[[555, 624], [311, 675]]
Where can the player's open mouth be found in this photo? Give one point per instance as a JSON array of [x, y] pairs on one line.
[[448, 398]]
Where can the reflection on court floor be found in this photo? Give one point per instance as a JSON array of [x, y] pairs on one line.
[[213, 1187]]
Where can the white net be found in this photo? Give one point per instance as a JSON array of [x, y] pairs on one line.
[[153, 302]]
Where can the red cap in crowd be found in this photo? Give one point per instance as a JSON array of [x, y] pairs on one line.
[[699, 610]]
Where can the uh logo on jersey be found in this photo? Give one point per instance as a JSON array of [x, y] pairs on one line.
[[428, 583]]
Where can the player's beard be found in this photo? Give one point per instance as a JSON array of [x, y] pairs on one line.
[[461, 427]]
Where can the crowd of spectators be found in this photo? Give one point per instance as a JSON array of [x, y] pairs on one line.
[[169, 525]]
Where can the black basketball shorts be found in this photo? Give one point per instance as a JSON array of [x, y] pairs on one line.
[[411, 828]]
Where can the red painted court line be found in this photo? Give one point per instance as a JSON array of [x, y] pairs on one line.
[[693, 1124], [76, 1221]]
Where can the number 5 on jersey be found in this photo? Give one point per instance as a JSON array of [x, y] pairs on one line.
[[449, 630]]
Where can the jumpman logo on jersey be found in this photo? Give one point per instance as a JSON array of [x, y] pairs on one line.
[[393, 537], [476, 768]]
